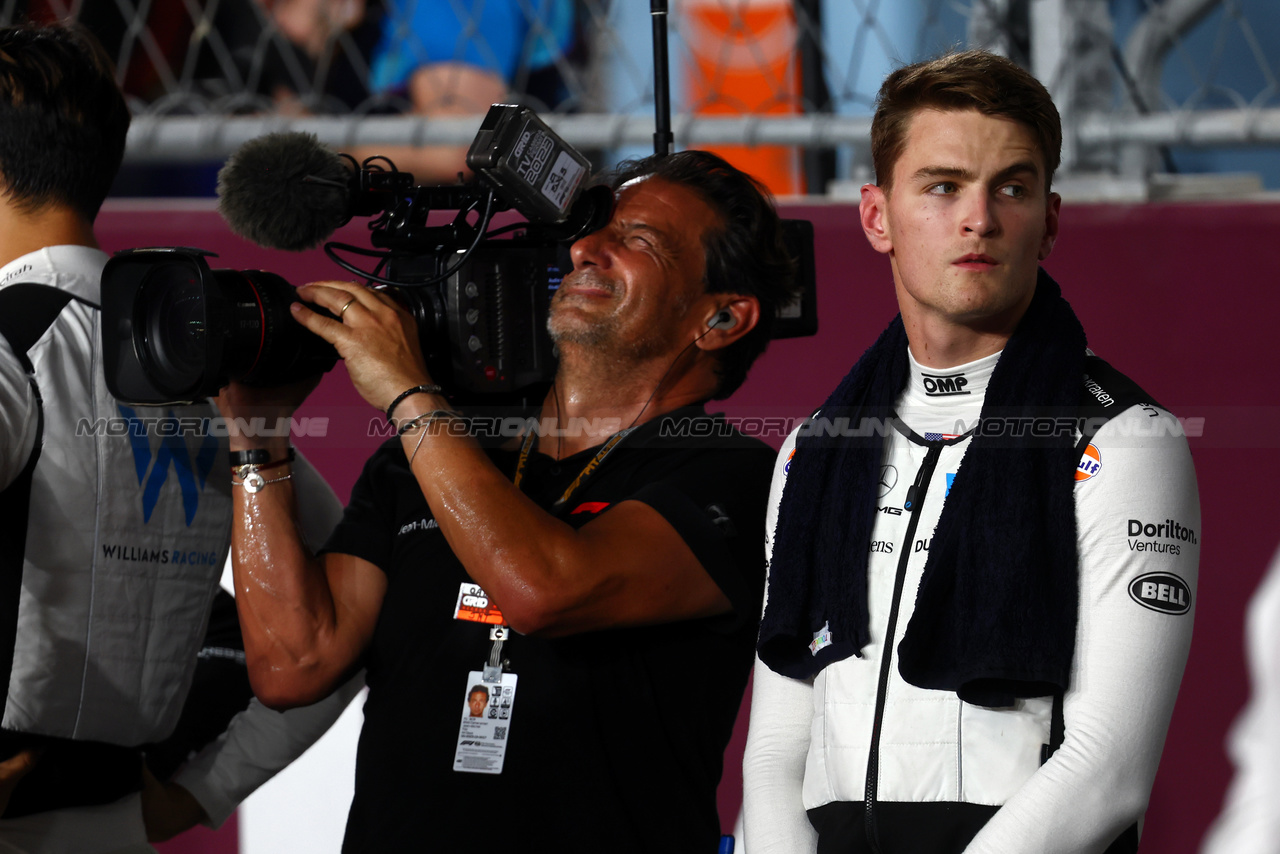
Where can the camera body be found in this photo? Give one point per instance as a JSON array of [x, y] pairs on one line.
[[177, 330]]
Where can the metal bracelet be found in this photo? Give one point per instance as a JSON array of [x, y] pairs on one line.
[[425, 419], [254, 483]]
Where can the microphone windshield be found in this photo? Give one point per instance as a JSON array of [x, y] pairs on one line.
[[284, 191]]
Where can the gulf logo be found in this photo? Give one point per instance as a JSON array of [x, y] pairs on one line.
[[786, 469], [1090, 463]]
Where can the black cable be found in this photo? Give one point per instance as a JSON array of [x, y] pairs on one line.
[[330, 249], [667, 373], [555, 394]]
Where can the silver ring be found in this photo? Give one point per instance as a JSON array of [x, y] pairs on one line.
[[345, 307]]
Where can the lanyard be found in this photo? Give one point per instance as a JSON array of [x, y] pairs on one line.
[[583, 476], [499, 634]]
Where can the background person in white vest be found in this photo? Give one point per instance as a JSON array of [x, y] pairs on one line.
[[112, 543]]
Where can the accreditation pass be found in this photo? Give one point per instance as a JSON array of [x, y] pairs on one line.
[[486, 722]]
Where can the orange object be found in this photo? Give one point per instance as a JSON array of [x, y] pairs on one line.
[[743, 60]]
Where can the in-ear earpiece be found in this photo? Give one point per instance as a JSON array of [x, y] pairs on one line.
[[723, 319]]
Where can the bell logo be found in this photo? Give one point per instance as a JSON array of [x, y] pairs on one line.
[[1090, 463], [939, 386], [1161, 591]]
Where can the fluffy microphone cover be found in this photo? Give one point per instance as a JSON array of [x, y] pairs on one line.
[[264, 198]]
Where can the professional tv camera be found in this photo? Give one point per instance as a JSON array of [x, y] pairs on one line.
[[176, 330]]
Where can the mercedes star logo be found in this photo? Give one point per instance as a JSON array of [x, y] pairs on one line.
[[888, 480]]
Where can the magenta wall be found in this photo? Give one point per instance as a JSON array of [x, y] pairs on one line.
[[1180, 297]]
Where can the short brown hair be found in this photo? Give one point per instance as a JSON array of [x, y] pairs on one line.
[[972, 80]]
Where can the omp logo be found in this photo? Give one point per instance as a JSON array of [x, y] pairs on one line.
[[153, 465], [1161, 591], [937, 386], [1090, 463]]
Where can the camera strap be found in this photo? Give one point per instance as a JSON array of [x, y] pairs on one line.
[[26, 313], [72, 772]]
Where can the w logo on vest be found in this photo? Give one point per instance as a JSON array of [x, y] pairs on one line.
[[172, 453]]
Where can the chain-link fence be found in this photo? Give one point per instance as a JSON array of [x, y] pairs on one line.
[[1145, 86]]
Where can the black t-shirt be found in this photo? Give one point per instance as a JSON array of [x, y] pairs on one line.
[[616, 737]]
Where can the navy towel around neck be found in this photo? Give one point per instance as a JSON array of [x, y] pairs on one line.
[[995, 614]]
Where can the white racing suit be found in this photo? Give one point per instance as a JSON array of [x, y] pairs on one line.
[[814, 749]]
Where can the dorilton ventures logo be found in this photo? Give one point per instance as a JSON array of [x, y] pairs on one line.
[[938, 386], [1169, 531], [1161, 591], [153, 465]]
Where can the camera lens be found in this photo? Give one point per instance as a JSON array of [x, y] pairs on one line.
[[173, 325]]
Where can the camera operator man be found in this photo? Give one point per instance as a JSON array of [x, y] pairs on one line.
[[980, 598], [622, 548], [114, 539]]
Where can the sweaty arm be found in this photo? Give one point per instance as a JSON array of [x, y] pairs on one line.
[[305, 619], [259, 742], [774, 816], [1139, 530], [628, 566]]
